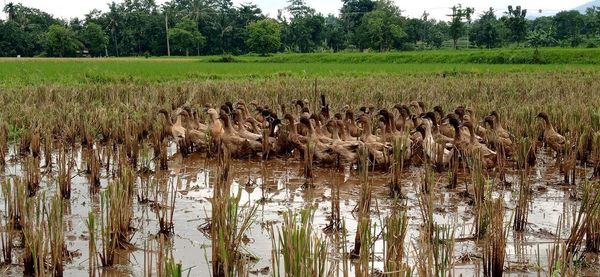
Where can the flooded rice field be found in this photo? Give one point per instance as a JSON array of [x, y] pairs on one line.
[[275, 187]]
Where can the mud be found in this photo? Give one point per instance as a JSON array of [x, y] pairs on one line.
[[277, 186]]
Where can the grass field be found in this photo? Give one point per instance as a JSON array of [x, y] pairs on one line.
[[101, 136], [39, 71]]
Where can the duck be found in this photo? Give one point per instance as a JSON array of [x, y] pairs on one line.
[[215, 128], [437, 153], [496, 140], [480, 131], [241, 128], [379, 152], [174, 130], [437, 136], [321, 151], [498, 126], [552, 138], [350, 125], [473, 147], [346, 149], [403, 120], [365, 124], [319, 131], [234, 143], [390, 134]]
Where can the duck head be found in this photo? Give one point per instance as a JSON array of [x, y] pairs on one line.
[[439, 110], [489, 120]]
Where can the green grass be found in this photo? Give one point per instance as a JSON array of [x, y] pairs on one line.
[[40, 71], [33, 72], [472, 56]]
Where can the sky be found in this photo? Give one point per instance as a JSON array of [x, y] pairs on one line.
[[436, 8]]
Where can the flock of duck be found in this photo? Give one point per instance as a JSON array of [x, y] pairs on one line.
[[420, 135]]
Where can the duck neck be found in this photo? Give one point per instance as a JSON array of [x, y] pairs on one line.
[[456, 134], [226, 124], [471, 134], [547, 124], [167, 117], [335, 133], [428, 131], [342, 132], [291, 126]]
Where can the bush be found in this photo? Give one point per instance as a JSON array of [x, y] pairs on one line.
[[224, 59]]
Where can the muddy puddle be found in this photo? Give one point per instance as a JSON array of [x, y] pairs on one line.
[[277, 186]]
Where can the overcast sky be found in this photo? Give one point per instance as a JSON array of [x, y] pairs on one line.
[[436, 8]]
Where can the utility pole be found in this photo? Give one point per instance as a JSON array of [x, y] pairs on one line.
[[167, 32]]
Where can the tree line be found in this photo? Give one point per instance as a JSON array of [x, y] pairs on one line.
[[199, 27]]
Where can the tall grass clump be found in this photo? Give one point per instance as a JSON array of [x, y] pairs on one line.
[[434, 254], [93, 167], [443, 249], [364, 207], [482, 193], [395, 229], [64, 174], [584, 220], [229, 223], [3, 144], [48, 149], [120, 206], [559, 260], [302, 251], [8, 222], [494, 251], [167, 208], [34, 236], [398, 148], [522, 208], [32, 175], [113, 226], [92, 248], [56, 236]]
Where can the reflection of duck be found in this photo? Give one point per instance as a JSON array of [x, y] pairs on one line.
[[552, 138]]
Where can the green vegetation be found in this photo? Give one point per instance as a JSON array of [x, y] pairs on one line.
[[209, 27], [27, 72], [264, 36]]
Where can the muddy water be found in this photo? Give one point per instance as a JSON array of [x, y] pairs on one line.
[[278, 186]]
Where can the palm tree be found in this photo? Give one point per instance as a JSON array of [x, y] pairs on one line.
[[10, 9]]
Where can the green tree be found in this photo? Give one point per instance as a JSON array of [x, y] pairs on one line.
[[540, 38], [436, 33], [516, 22], [264, 36], [94, 39], [60, 41], [592, 21], [351, 15], [486, 31], [457, 27], [382, 29], [185, 36], [304, 32], [335, 36], [568, 26]]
